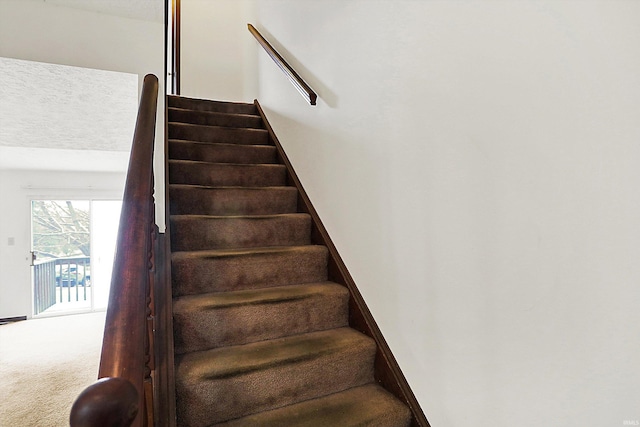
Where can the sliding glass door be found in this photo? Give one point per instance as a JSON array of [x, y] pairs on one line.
[[73, 242]]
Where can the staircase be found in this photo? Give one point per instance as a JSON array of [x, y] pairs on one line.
[[262, 338]]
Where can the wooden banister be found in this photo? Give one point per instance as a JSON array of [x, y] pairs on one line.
[[127, 359], [302, 87]]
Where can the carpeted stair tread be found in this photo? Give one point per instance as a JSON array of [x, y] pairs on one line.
[[232, 361], [234, 269], [211, 106], [226, 174], [221, 153], [218, 319], [230, 382], [207, 200], [368, 405], [198, 232], [218, 134], [214, 119]]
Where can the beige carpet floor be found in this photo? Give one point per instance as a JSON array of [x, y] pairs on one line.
[[44, 365]]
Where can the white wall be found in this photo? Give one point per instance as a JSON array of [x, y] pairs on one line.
[[217, 53], [39, 31], [17, 189], [477, 164]]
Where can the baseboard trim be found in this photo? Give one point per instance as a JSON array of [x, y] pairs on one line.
[[6, 320]]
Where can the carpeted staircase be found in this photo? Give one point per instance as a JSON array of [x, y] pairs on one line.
[[261, 337]]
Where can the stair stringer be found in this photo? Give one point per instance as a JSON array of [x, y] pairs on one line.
[[387, 372], [166, 401]]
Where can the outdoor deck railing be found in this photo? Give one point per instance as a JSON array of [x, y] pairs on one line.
[[60, 280]]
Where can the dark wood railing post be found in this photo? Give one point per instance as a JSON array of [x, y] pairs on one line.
[[107, 403], [151, 315], [127, 359]]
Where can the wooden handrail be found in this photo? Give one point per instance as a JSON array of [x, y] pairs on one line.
[[302, 87], [126, 348]]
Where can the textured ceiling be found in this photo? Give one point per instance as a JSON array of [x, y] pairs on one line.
[[63, 107], [20, 158], [146, 10]]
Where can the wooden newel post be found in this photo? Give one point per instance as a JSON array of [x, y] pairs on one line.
[[110, 402]]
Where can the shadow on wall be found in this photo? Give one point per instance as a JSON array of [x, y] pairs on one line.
[[368, 204], [353, 199]]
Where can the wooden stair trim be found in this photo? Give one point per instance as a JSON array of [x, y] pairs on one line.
[[165, 313], [387, 371], [164, 398], [301, 86]]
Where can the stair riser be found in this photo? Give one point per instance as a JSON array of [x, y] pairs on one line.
[[215, 119], [218, 134], [212, 328], [228, 273], [232, 201], [369, 405], [223, 399], [199, 233], [212, 106], [222, 153], [227, 175]]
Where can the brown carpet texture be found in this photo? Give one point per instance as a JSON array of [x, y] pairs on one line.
[[261, 336]]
